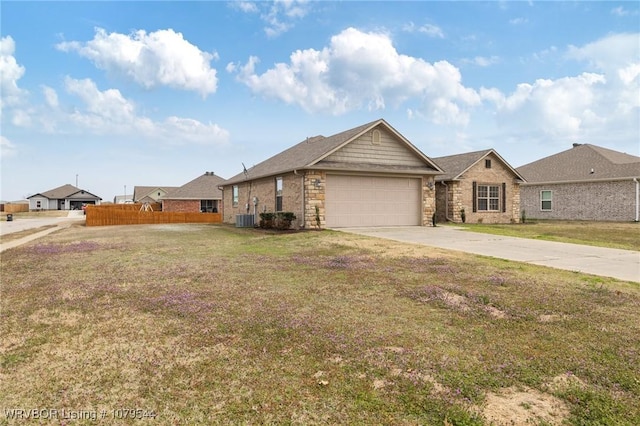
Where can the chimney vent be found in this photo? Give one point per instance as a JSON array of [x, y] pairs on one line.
[[575, 144]]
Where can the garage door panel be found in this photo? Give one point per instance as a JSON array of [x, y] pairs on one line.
[[372, 201]]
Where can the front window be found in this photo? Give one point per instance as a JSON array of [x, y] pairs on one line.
[[235, 195], [488, 198], [209, 206], [545, 200], [38, 204], [279, 194]]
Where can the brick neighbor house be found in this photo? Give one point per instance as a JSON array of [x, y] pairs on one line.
[[586, 182], [202, 194], [370, 175], [482, 183]]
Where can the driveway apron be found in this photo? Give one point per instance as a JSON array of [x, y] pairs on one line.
[[615, 263]]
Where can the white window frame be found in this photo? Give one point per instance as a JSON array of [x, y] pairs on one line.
[[543, 200], [235, 195], [488, 198], [279, 192]]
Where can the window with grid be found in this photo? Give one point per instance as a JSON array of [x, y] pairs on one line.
[[545, 200], [235, 195], [278, 194], [488, 197]]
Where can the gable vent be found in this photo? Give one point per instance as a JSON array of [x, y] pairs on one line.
[[375, 137]]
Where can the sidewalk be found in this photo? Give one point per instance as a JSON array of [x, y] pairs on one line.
[[23, 224], [615, 263]]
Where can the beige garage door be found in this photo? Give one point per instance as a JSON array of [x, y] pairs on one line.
[[372, 201]]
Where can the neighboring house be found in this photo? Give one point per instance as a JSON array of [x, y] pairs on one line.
[[482, 183], [122, 199], [66, 197], [150, 194], [367, 176], [586, 182], [202, 194]]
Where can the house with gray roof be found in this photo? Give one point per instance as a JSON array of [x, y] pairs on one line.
[[370, 175], [586, 182], [65, 197], [477, 187], [150, 194], [202, 194]]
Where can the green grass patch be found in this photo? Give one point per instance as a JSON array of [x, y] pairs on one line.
[[622, 235]]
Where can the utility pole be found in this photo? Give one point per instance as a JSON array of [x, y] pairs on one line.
[[76, 180]]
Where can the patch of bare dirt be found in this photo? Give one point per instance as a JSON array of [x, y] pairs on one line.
[[519, 406]]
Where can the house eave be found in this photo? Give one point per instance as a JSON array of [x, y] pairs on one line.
[[558, 182]]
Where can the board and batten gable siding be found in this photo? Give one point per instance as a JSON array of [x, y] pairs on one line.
[[390, 151]]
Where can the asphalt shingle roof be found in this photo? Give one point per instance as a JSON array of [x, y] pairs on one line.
[[64, 191], [306, 153], [455, 165], [584, 162], [204, 187]]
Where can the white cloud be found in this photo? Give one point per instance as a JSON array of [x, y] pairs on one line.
[[362, 70], [10, 73], [621, 11], [609, 53], [161, 58], [279, 16], [518, 21], [428, 29], [50, 96], [482, 61], [108, 112], [7, 148]]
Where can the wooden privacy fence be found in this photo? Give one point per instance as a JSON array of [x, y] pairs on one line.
[[101, 216], [15, 208]]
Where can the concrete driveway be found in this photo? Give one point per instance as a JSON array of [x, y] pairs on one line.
[[620, 264], [22, 224]]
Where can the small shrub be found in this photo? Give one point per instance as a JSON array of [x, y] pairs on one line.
[[317, 217], [267, 220], [523, 216], [463, 216], [284, 219]]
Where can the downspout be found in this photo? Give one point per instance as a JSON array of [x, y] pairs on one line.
[[637, 199]]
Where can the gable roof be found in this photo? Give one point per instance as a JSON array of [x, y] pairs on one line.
[[204, 187], [455, 166], [65, 191], [140, 192], [306, 154], [583, 162]]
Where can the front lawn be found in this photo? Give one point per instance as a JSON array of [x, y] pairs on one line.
[[622, 235], [207, 324]]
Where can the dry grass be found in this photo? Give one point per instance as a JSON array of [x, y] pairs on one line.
[[208, 324]]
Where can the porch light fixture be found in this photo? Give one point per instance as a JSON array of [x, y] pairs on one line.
[[430, 185]]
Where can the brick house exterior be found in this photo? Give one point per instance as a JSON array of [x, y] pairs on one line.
[[202, 194], [348, 179], [482, 183], [586, 182]]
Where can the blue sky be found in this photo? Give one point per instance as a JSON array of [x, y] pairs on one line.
[[157, 93]]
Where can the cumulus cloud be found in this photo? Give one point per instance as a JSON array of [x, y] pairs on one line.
[[279, 16], [160, 58], [362, 70], [10, 73], [7, 148], [108, 112]]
